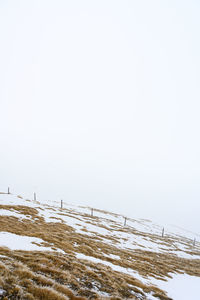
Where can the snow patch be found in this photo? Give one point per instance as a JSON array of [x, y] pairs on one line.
[[20, 242], [180, 286], [11, 213]]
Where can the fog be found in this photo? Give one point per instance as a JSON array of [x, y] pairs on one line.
[[100, 105]]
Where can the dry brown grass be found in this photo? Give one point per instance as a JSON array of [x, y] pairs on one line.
[[52, 275]]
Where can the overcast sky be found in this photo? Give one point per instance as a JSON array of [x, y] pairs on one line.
[[100, 105]]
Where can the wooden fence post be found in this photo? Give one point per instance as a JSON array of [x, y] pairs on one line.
[[35, 197], [125, 218], [194, 242], [163, 231], [61, 204], [8, 190], [92, 212]]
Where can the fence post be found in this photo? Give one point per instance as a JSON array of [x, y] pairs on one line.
[[194, 242], [125, 218], [8, 190], [34, 196], [61, 204], [163, 231], [92, 211]]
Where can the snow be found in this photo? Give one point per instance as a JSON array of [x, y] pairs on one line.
[[2, 292], [111, 265], [185, 255], [9, 199], [109, 227], [20, 242], [3, 256], [181, 232], [138, 234], [11, 213], [181, 286], [114, 267], [117, 268], [117, 257]]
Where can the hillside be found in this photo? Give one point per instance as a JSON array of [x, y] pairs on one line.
[[49, 252]]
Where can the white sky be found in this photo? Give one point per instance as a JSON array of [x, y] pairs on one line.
[[100, 104]]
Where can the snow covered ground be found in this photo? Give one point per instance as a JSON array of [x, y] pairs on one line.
[[12, 213], [180, 286], [137, 234], [19, 242]]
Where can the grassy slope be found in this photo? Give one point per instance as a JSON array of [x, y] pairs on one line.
[[56, 275]]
